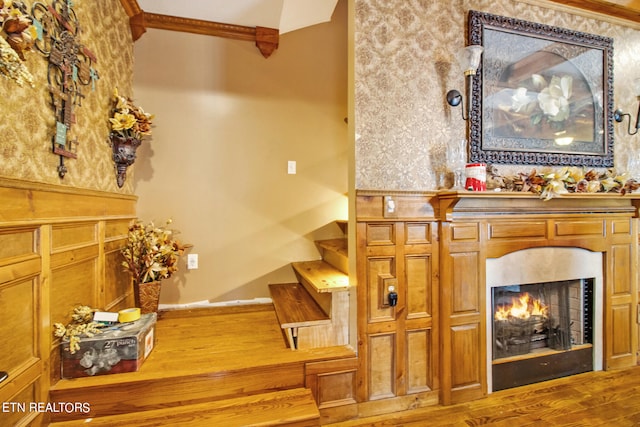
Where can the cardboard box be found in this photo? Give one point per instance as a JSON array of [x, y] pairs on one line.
[[122, 348]]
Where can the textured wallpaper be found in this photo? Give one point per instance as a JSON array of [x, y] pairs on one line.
[[28, 122], [404, 66]]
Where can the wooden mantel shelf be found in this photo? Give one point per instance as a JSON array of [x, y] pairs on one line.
[[445, 205], [465, 203]]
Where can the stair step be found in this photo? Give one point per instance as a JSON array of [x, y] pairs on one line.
[[295, 307], [344, 225], [293, 407], [321, 275], [214, 354], [335, 252]]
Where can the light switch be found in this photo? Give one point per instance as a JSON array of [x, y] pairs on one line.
[[390, 207], [291, 167], [192, 261]]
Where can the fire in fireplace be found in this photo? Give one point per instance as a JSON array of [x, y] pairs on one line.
[[541, 331]]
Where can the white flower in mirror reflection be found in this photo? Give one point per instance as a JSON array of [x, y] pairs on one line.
[[539, 82], [520, 101], [554, 99]]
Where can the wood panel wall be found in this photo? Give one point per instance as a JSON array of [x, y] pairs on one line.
[[59, 247], [397, 346]]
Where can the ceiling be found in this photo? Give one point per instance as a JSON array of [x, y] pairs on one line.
[[284, 15], [260, 21], [290, 15]]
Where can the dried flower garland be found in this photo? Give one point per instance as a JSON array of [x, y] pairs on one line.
[[81, 324], [17, 35], [567, 180], [12, 67]]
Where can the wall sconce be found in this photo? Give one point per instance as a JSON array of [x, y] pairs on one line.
[[618, 115], [469, 58]]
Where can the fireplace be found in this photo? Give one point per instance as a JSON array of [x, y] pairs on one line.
[[543, 311]]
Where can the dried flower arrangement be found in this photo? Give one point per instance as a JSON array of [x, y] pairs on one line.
[[151, 252], [129, 120], [567, 180], [81, 324], [17, 35]]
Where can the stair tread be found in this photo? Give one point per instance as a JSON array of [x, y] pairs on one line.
[[286, 407], [322, 276], [295, 307], [336, 245]]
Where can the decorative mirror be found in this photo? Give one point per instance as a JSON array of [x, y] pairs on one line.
[[543, 94]]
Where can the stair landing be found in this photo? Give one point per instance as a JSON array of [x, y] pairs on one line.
[[201, 355]]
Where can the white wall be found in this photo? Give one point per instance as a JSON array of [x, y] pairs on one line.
[[227, 122]]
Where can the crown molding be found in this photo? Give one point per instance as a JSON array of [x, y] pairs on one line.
[[604, 7], [266, 39]]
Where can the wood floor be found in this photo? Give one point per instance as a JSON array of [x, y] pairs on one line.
[[609, 399], [202, 357], [203, 363]]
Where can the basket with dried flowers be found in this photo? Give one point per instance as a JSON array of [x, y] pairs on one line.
[[150, 255]]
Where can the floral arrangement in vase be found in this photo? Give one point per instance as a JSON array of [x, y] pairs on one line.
[[129, 124], [129, 120], [150, 255]]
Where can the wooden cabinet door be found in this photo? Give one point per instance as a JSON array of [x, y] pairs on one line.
[[463, 359], [397, 344], [621, 296]]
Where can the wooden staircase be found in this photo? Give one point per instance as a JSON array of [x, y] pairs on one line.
[[231, 367], [314, 312]]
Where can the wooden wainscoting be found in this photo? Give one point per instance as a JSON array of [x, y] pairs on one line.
[[433, 246], [59, 247], [397, 345]]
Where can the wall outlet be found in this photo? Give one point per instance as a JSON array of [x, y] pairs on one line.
[[192, 261]]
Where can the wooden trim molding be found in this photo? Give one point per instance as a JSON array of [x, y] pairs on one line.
[[198, 26], [266, 39], [131, 7], [604, 7]]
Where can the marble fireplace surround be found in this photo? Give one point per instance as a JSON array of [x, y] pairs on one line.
[[541, 265]]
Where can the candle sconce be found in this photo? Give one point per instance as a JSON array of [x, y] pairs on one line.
[[619, 115]]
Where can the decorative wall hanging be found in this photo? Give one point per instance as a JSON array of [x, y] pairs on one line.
[[129, 124], [544, 95], [70, 68]]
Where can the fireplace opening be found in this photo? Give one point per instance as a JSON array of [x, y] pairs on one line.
[[541, 331]]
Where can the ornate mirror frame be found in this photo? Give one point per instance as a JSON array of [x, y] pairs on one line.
[[543, 95]]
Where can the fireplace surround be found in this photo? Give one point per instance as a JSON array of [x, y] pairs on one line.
[[554, 326], [441, 252], [476, 229]]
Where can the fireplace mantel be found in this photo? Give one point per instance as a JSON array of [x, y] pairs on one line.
[[467, 203], [435, 245]]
